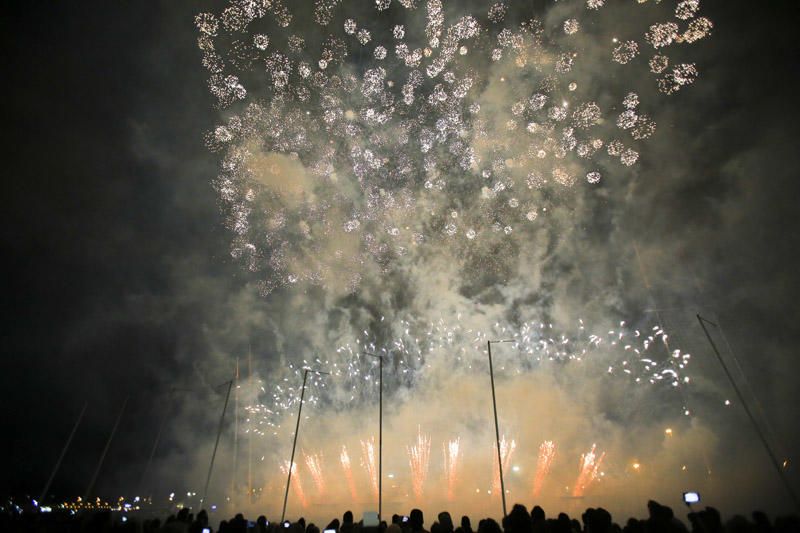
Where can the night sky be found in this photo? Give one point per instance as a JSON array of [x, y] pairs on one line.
[[119, 281]]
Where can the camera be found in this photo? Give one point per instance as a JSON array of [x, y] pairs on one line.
[[691, 497]]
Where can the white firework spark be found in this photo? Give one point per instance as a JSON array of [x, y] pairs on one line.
[[351, 157]]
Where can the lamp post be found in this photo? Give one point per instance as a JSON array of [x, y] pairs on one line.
[[759, 432], [216, 443], [296, 432], [380, 431], [496, 425]]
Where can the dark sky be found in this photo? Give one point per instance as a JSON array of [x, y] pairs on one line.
[[116, 257]]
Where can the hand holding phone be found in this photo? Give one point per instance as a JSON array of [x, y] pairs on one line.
[[691, 497]]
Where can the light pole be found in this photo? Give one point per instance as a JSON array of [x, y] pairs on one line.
[[496, 425], [296, 431], [216, 443], [764, 442], [380, 431]]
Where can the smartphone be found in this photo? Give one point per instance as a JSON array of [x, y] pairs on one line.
[[691, 497], [287, 524], [329, 531], [405, 519], [124, 518], [206, 530]]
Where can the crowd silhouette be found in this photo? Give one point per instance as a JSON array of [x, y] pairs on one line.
[[660, 519]]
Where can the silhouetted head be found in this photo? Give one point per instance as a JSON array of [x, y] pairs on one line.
[[518, 520], [393, 528], [489, 526], [537, 514], [333, 525], [347, 518], [465, 523], [446, 522], [597, 520], [416, 519]]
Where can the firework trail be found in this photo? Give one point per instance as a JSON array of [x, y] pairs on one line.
[[506, 450], [369, 460], [547, 451], [348, 473], [314, 463], [419, 459], [452, 454], [590, 464], [296, 483]]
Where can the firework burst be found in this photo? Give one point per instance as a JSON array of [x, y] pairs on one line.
[[398, 112]]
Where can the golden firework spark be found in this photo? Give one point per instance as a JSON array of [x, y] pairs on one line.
[[547, 451]]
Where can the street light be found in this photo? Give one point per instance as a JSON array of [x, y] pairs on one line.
[[229, 383], [380, 431], [496, 425], [764, 442], [296, 432]]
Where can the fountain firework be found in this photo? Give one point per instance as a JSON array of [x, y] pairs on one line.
[[419, 460], [547, 451], [452, 454], [344, 458], [297, 484], [590, 465], [314, 463], [506, 451], [369, 460]]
